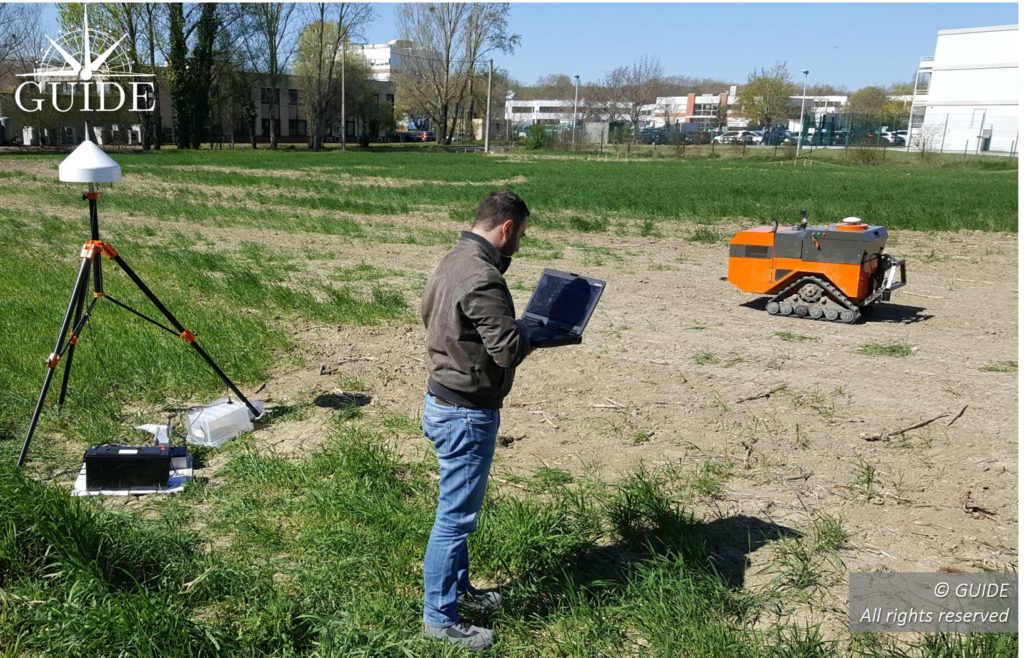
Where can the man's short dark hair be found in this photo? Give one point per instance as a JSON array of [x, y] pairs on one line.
[[498, 207]]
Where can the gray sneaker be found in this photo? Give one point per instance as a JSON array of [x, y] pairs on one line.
[[462, 634], [475, 600]]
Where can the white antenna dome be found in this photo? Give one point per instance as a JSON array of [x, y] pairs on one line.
[[89, 164]]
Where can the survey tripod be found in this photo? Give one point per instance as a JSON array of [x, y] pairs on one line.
[[78, 314]]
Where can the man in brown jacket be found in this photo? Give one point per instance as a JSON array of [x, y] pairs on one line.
[[474, 344]]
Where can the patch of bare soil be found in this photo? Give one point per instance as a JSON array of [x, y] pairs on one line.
[[679, 368]]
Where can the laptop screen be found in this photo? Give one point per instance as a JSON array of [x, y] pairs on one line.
[[565, 299]]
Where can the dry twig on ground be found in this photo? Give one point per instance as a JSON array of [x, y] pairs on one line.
[[762, 394], [885, 436]]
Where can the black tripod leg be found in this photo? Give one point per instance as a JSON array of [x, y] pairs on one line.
[[74, 336], [51, 364], [177, 325]]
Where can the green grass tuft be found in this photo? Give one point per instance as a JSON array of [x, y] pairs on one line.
[[790, 337], [999, 366], [889, 348]]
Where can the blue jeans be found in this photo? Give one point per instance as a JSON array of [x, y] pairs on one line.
[[464, 441]]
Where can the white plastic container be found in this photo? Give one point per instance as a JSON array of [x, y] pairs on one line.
[[218, 422]]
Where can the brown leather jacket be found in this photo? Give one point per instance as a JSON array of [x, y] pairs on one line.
[[473, 340]]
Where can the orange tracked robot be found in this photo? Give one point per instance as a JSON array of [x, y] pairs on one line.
[[835, 272]]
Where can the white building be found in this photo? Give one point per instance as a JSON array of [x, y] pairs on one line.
[[382, 58], [702, 111], [966, 96], [559, 113], [706, 110]]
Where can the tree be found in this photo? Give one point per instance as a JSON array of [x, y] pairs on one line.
[[765, 99], [826, 89], [269, 47], [362, 103], [895, 108], [177, 65], [19, 45], [141, 24], [154, 26], [629, 88], [448, 42], [323, 59], [681, 85], [902, 88], [875, 107], [191, 70], [869, 103]]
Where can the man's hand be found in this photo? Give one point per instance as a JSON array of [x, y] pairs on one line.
[[524, 331]]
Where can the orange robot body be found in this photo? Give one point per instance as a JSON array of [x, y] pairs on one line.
[[834, 272]]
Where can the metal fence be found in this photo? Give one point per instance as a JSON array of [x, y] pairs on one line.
[[974, 132]]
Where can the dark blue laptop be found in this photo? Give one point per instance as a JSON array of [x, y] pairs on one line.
[[560, 308]]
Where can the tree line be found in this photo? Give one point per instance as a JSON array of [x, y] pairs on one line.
[[765, 99], [213, 58]]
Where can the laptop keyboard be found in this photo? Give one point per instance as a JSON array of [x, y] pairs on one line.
[[540, 334]]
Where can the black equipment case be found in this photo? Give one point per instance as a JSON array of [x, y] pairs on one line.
[[122, 467]]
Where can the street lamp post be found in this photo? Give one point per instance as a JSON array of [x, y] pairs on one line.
[[487, 117], [803, 100], [575, 104]]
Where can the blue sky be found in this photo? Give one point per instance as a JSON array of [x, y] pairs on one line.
[[851, 45]]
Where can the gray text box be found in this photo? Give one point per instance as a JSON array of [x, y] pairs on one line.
[[933, 603]]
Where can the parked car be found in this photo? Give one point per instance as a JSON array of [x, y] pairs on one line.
[[774, 137], [734, 137], [416, 136], [893, 138], [756, 136], [653, 136], [793, 137]]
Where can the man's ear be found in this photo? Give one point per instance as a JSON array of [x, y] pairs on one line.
[[508, 228]]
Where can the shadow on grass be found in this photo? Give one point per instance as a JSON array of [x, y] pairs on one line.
[[338, 401], [731, 540], [714, 553]]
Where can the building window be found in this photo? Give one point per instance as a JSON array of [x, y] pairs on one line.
[[390, 98], [705, 109], [924, 79], [268, 95], [917, 116], [265, 127], [297, 127], [293, 96]]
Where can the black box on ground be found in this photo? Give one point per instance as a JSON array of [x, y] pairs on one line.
[[121, 467]]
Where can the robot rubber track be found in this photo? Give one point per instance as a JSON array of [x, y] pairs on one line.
[[814, 298]]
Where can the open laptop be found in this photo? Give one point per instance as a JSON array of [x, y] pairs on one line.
[[560, 308]]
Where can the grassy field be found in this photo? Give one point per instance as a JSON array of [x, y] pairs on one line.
[[320, 555]]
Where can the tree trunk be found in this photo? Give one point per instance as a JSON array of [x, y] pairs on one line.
[[273, 121]]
